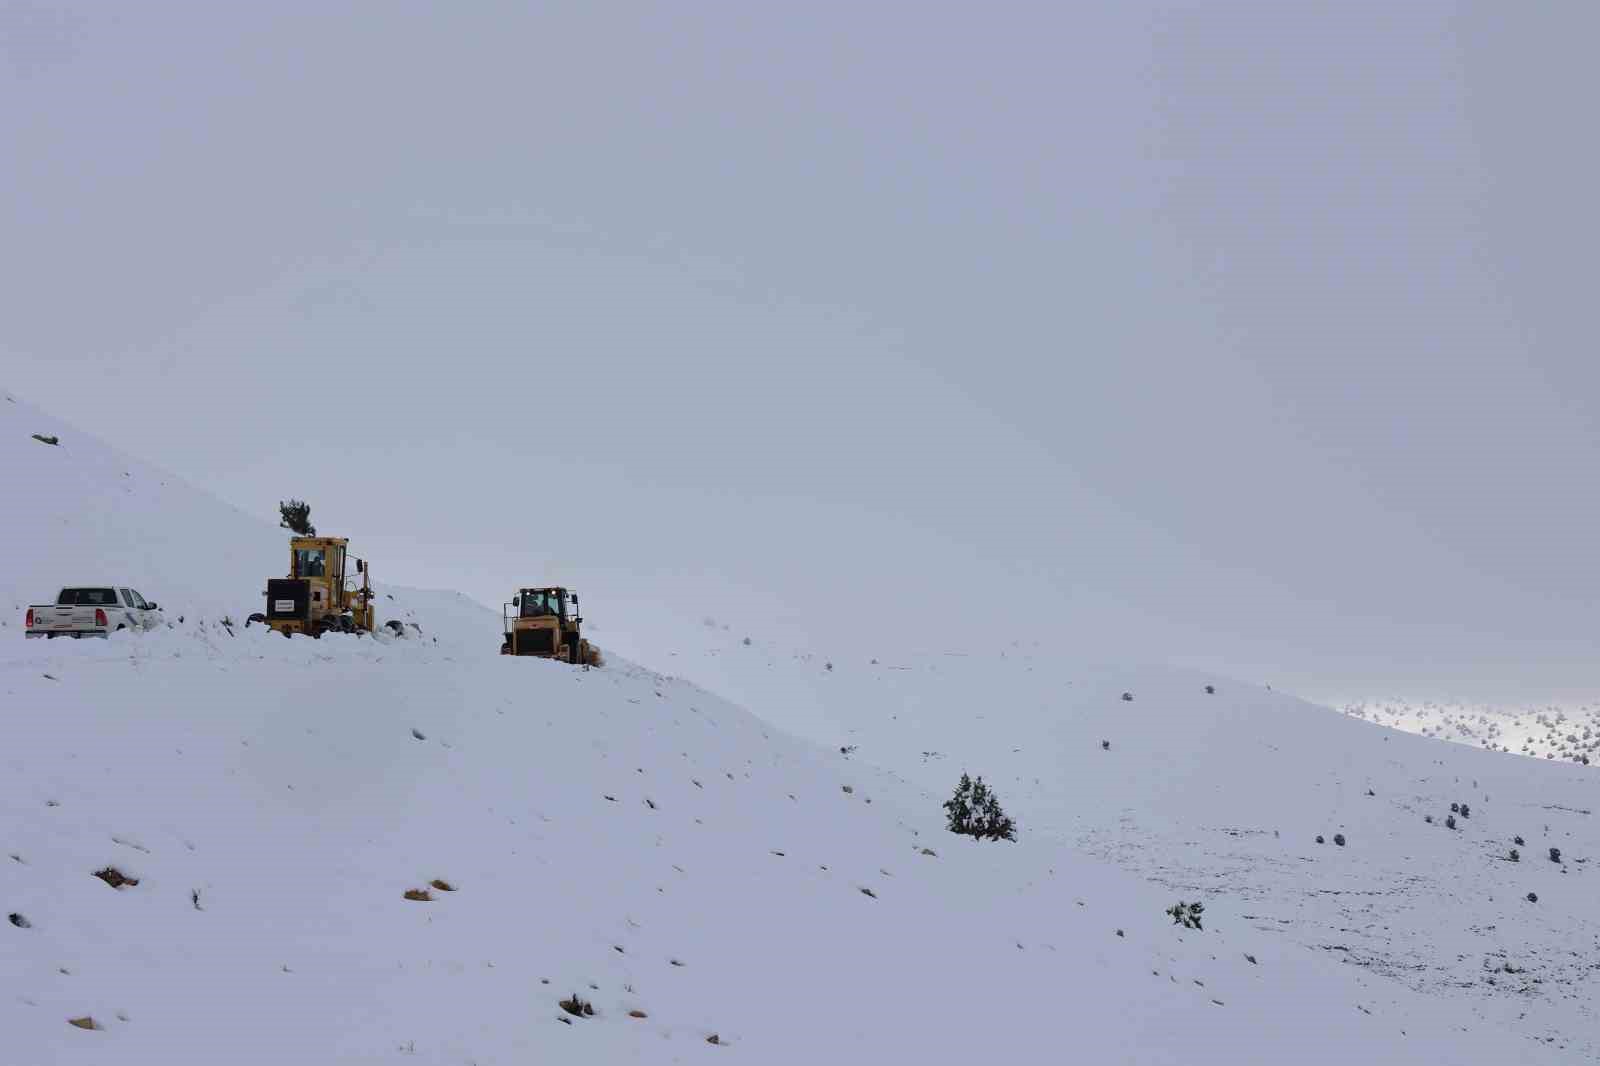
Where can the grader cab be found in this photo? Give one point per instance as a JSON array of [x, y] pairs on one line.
[[321, 594], [545, 622]]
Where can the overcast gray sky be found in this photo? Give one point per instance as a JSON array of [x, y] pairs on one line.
[[1255, 335]]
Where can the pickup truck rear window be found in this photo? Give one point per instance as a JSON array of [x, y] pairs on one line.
[[87, 598]]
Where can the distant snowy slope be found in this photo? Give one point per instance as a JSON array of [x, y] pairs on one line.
[[82, 511], [1565, 732]]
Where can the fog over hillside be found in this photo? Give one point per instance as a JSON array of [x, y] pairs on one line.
[[1245, 336]]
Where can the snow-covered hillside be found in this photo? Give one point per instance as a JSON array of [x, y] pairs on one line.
[[610, 834], [694, 868], [83, 512], [1225, 794]]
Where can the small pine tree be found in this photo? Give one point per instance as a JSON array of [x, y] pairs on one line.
[[1555, 854], [295, 515], [974, 811]]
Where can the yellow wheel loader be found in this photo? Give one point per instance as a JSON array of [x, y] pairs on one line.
[[320, 595], [545, 622]]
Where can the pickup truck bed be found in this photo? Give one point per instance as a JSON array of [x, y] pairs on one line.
[[91, 611]]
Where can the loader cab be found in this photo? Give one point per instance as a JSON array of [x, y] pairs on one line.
[[541, 603]]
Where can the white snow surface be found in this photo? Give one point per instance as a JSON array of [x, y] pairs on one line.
[[716, 865]]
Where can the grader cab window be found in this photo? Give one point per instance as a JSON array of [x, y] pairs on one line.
[[310, 562]]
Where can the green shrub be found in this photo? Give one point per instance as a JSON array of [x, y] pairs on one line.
[[974, 811]]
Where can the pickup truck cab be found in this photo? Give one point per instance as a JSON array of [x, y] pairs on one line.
[[92, 611]]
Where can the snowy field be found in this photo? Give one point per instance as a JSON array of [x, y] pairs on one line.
[[733, 852], [1224, 794]]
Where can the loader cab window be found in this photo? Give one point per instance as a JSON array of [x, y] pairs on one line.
[[540, 604], [310, 562]]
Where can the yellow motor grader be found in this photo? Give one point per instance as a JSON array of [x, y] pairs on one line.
[[320, 595], [545, 622]]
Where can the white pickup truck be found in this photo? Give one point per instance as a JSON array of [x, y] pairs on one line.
[[91, 611]]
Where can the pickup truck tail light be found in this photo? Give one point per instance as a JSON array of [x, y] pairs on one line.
[[100, 618], [30, 617]]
